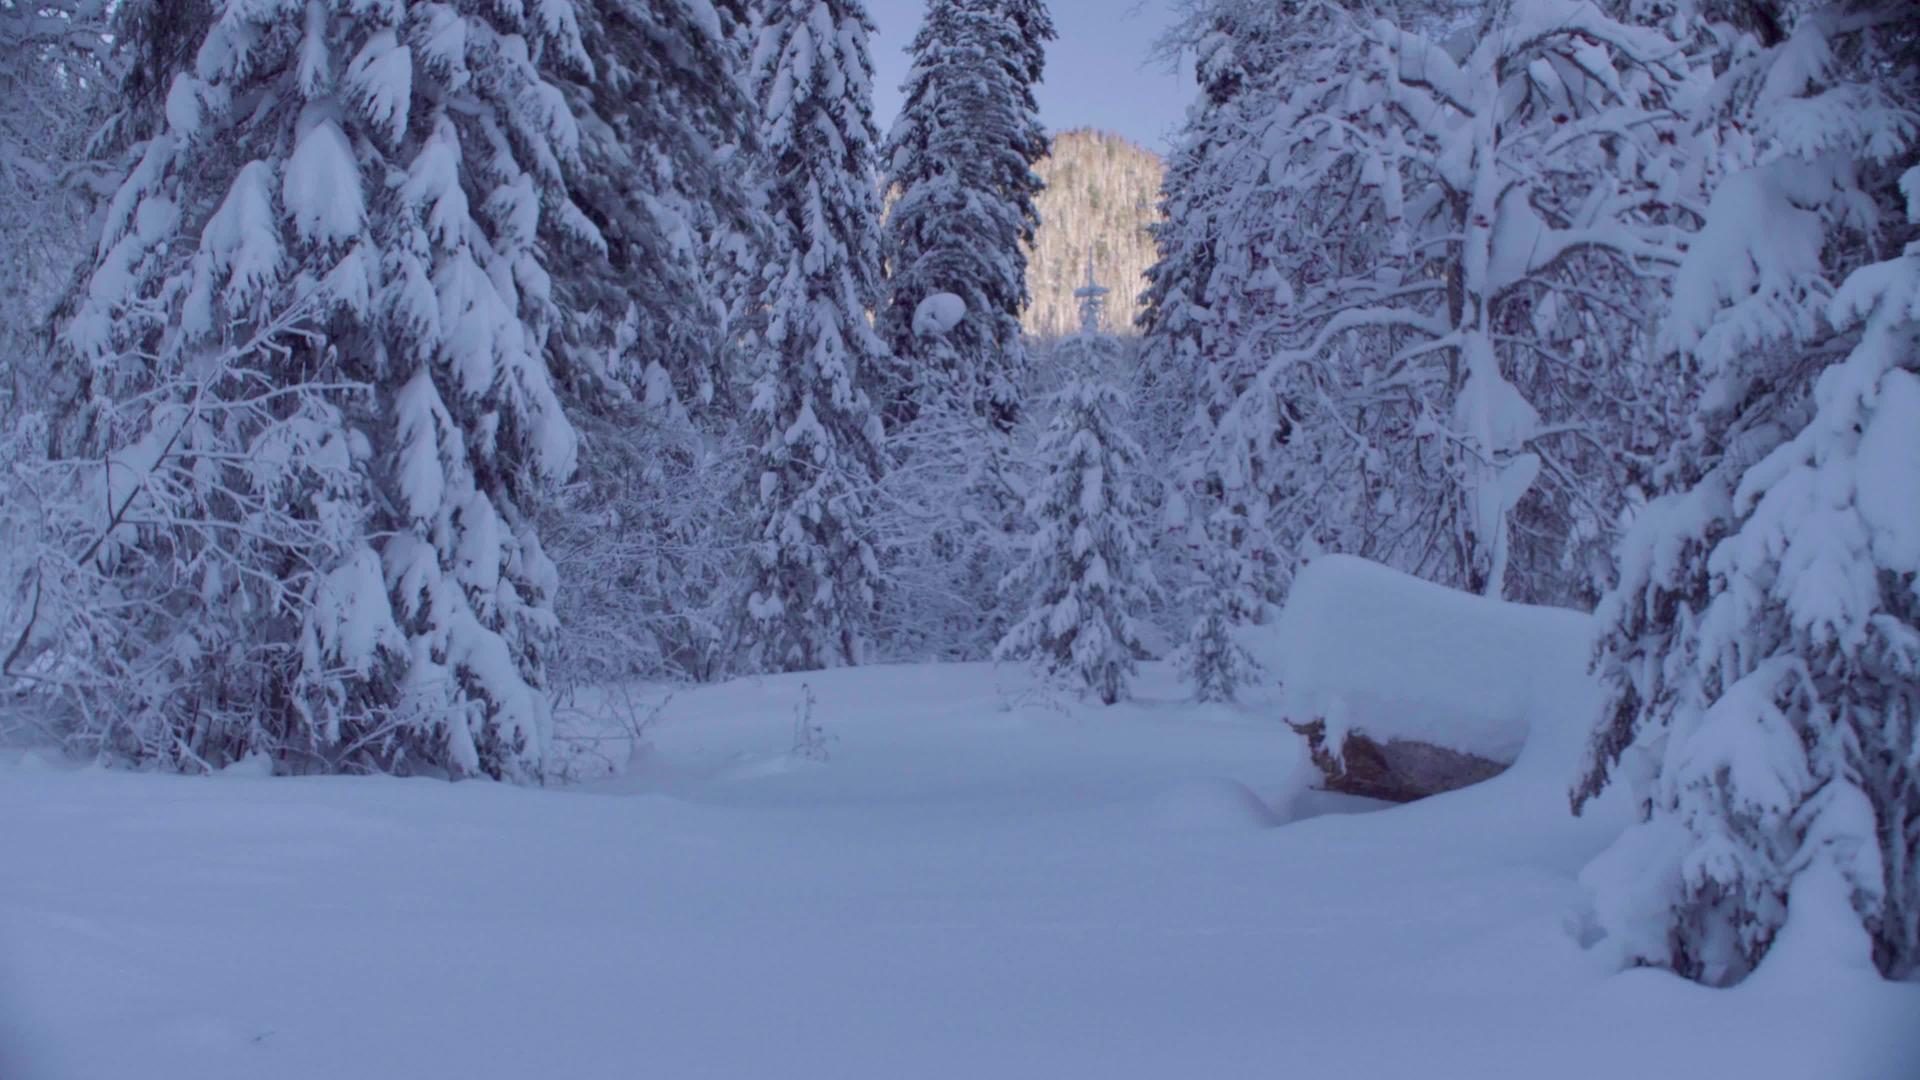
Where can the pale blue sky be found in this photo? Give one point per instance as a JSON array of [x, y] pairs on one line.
[[1098, 73]]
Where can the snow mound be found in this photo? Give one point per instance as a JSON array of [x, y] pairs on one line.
[[760, 768], [1216, 804], [1370, 650], [251, 767], [937, 314]]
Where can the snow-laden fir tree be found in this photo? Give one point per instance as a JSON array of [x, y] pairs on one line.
[[960, 162], [1233, 580], [1213, 300], [646, 538], [664, 115], [1085, 579], [737, 251], [1175, 319], [54, 59], [1763, 644], [312, 405], [1237, 469], [1210, 173], [817, 438], [1173, 315]]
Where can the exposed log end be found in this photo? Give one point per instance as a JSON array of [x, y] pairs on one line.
[[1398, 770]]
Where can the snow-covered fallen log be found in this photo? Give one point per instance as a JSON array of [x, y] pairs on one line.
[[1405, 688]]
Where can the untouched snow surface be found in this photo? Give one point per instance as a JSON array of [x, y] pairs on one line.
[[979, 882]]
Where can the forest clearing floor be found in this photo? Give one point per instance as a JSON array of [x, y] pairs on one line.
[[979, 880]]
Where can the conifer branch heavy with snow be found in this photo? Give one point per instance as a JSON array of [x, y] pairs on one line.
[[647, 538], [809, 599], [960, 160], [959, 166], [1761, 645], [311, 364], [1084, 574]]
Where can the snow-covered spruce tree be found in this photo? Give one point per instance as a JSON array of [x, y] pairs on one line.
[[664, 118], [1085, 579], [1226, 39], [1235, 574], [817, 439], [1179, 339], [1234, 577], [313, 403], [1763, 644], [1218, 296], [1175, 316], [960, 162], [737, 251], [646, 538], [947, 514]]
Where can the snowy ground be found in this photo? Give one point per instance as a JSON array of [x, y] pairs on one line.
[[963, 890]]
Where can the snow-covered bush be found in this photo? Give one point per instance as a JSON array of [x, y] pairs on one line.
[[647, 540], [948, 521], [53, 60], [52, 70]]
